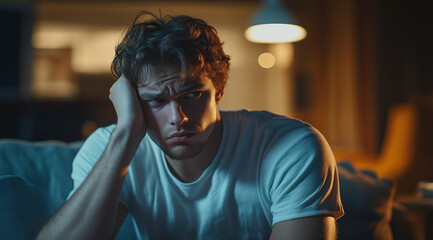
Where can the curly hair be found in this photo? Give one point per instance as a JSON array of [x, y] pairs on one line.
[[188, 42]]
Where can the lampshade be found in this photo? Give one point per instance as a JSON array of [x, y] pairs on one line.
[[272, 23]]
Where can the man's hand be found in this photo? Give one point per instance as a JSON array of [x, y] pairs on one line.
[[124, 97]]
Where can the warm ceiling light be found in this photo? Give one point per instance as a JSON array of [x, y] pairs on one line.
[[274, 24]]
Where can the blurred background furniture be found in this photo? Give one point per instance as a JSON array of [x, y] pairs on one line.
[[398, 148]]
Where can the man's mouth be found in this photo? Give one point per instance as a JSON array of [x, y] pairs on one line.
[[180, 136]]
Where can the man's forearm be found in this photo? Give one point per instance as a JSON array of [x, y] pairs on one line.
[[91, 212]]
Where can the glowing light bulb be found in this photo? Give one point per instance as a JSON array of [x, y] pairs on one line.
[[266, 60]]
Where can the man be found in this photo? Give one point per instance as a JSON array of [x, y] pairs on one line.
[[184, 169]]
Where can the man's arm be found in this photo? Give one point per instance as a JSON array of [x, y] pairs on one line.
[[94, 211], [122, 213], [319, 227]]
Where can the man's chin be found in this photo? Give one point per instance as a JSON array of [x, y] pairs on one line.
[[182, 153]]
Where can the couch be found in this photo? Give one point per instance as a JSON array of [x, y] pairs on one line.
[[35, 181]]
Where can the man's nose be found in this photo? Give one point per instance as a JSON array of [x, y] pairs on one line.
[[177, 116]]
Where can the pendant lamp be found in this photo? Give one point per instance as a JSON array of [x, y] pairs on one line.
[[272, 23]]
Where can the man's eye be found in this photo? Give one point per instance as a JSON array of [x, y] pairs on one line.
[[155, 101], [193, 95]]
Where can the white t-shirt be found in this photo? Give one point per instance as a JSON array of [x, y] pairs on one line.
[[268, 169]]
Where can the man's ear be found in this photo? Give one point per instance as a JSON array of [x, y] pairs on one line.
[[219, 95]]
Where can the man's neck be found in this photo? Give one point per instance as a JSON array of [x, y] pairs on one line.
[[189, 170]]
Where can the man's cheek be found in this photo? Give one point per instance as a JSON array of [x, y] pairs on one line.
[[156, 123]]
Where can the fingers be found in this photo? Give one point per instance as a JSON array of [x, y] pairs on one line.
[[125, 100], [130, 115]]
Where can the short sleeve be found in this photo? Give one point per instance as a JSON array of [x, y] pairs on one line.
[[299, 176], [88, 156]]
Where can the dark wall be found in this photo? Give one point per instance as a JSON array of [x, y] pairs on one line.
[[405, 74], [405, 52], [16, 21]]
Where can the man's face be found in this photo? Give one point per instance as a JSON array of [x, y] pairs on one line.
[[180, 114]]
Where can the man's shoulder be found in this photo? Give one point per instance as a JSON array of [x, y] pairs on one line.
[[245, 113], [98, 139], [105, 130], [263, 119]]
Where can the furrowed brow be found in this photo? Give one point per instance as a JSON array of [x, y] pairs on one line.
[[157, 95], [147, 96]]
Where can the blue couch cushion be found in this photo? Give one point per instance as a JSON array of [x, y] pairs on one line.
[[367, 202], [24, 208], [44, 167], [46, 164]]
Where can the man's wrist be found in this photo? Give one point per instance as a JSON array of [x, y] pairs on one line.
[[132, 133]]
